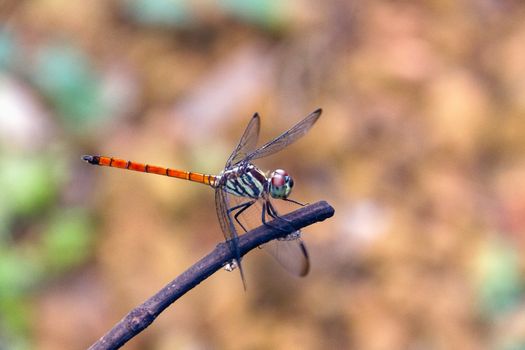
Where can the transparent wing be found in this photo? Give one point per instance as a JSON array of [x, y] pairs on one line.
[[221, 205], [247, 142], [291, 253], [228, 228], [286, 138]]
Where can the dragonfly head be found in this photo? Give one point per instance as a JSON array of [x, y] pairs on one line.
[[280, 184]]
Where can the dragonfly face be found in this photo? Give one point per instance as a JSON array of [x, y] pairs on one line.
[[280, 184]]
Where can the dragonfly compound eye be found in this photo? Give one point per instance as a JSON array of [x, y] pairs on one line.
[[281, 184], [278, 179]]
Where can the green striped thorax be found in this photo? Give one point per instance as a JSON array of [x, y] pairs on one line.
[[280, 184], [248, 181]]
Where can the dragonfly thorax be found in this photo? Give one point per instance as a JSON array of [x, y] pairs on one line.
[[280, 184], [245, 180]]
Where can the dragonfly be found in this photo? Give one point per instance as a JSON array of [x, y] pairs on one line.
[[244, 194]]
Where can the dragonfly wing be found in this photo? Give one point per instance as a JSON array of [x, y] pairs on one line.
[[286, 138], [221, 205], [228, 228], [247, 142], [289, 252]]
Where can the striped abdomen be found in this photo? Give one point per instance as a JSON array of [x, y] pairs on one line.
[[153, 169], [246, 181]]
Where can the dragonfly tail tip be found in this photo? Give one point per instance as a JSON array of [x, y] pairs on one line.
[[90, 159]]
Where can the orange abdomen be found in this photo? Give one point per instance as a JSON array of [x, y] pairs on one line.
[[153, 169]]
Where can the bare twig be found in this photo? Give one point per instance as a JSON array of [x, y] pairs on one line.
[[143, 315]]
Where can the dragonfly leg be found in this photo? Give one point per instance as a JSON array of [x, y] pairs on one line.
[[270, 210], [295, 234], [273, 213], [240, 208], [295, 202]]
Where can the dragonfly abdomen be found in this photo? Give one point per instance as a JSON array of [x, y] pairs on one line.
[[246, 181], [152, 169]]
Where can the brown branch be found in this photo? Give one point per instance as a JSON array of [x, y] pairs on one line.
[[143, 315]]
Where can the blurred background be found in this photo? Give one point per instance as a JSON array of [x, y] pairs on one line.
[[420, 149]]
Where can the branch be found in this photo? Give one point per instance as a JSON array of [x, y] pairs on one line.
[[143, 315]]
